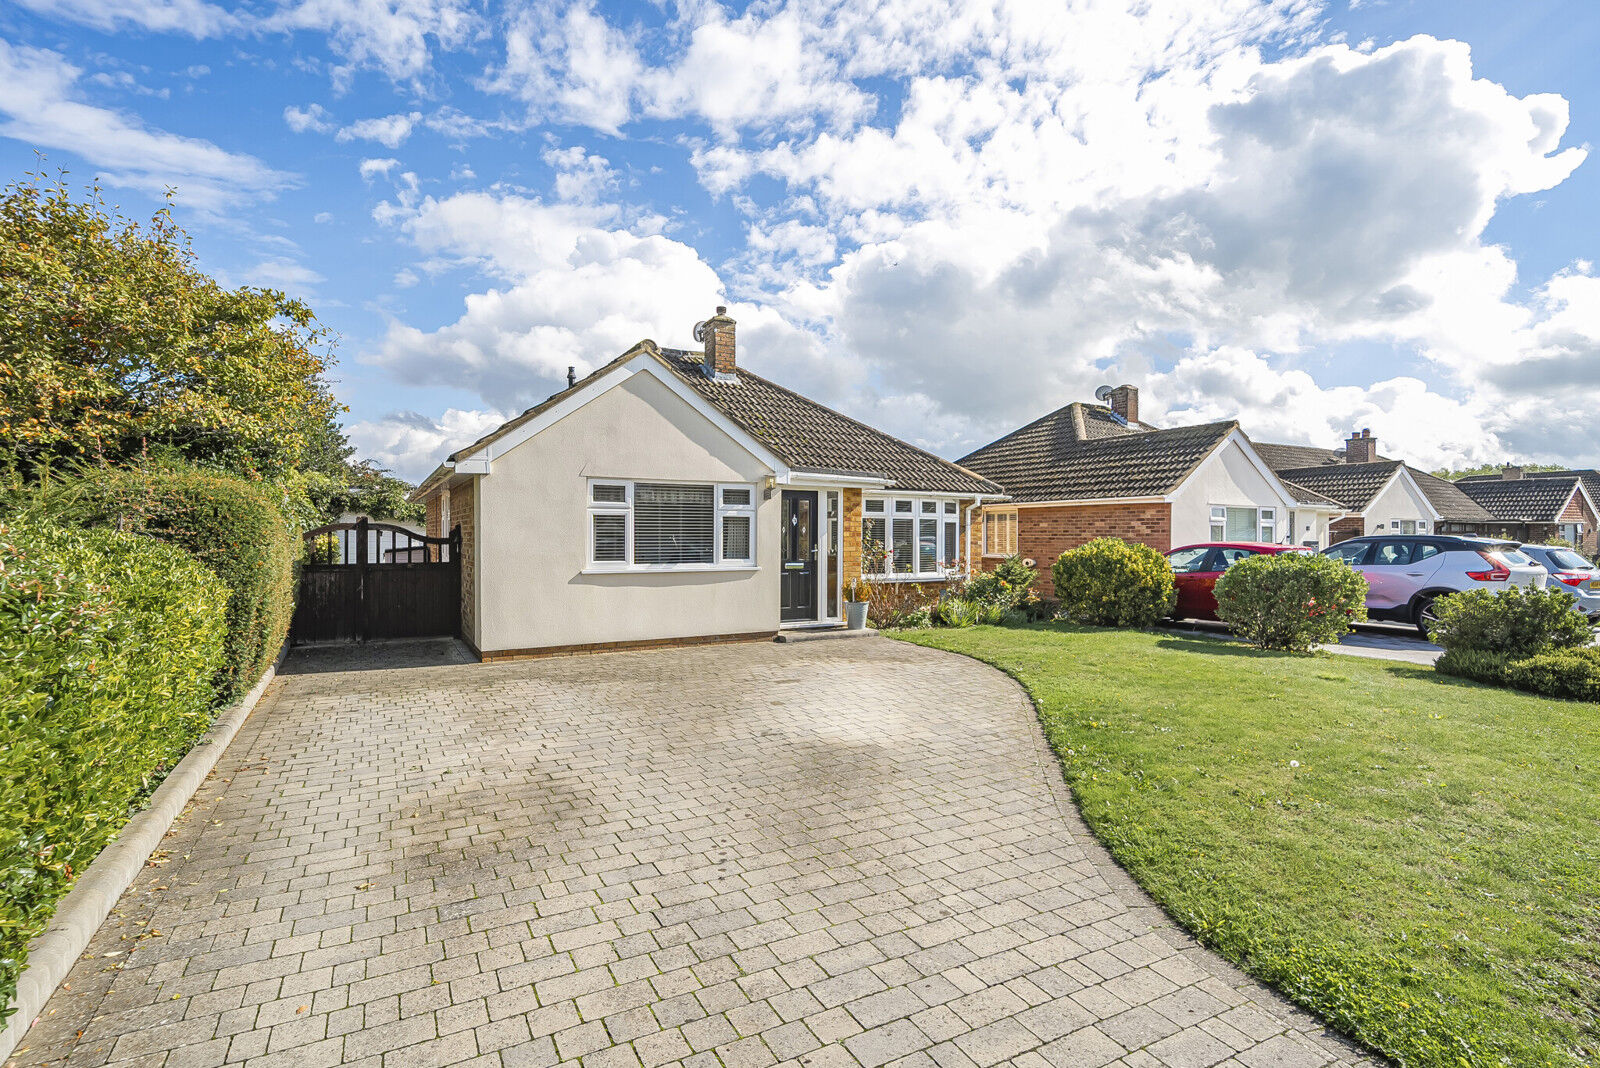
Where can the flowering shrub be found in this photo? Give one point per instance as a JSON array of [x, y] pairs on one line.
[[1113, 583], [1009, 585], [1290, 601]]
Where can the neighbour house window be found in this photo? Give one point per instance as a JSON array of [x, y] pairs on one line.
[[659, 526], [1408, 526], [1000, 532], [1243, 524], [909, 537]]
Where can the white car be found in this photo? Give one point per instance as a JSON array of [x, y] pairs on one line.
[[1406, 573]]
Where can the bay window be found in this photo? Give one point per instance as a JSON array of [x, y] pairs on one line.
[[665, 526], [910, 537]]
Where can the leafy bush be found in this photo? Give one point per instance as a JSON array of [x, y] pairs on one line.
[[1571, 673], [1009, 585], [1479, 665], [1518, 621], [233, 526], [1290, 600], [1113, 583], [109, 645]]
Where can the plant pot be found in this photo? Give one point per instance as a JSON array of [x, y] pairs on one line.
[[855, 615]]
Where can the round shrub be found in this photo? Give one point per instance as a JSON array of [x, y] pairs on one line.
[[1290, 600], [1113, 583], [109, 647], [1518, 621], [231, 525]]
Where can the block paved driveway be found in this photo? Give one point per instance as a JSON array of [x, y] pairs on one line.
[[827, 853]]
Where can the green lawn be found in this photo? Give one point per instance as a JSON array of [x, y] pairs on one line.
[[1414, 857]]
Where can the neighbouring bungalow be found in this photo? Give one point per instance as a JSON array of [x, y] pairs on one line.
[[1096, 470], [673, 496], [1538, 506]]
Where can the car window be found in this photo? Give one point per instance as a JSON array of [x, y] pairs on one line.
[[1567, 560], [1424, 549], [1352, 553], [1186, 561], [1226, 558], [1392, 554], [1513, 556]]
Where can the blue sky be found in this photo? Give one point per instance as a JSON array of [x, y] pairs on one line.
[[945, 219]]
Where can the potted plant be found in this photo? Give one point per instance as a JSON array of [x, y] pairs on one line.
[[855, 605]]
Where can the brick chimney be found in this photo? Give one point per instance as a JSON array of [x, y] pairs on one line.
[[717, 333], [1125, 402], [1510, 471], [1361, 448]]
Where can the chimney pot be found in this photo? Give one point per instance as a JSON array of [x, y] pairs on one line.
[[1511, 471], [572, 376], [718, 334]]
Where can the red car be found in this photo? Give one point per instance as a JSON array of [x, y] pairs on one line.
[[1196, 568]]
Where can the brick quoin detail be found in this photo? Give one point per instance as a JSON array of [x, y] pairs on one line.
[[1044, 533], [463, 513]]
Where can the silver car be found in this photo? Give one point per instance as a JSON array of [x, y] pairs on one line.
[[1575, 574], [1406, 573]]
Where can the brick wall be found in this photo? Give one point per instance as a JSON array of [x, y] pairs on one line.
[[463, 513], [850, 529], [1348, 527], [1044, 533]]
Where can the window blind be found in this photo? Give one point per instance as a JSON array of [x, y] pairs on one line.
[[673, 524]]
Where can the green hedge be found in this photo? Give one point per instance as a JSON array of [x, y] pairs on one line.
[[1568, 673], [109, 648], [232, 526]]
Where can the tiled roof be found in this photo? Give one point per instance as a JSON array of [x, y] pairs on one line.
[[810, 437], [1292, 457], [1522, 500], [1587, 475], [802, 433], [1050, 460], [1449, 501], [1306, 495], [1352, 485]]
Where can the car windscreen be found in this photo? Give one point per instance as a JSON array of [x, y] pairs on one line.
[[1568, 560], [1513, 555]]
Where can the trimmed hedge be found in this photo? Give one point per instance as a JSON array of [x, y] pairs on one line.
[[1518, 621], [1109, 582], [1565, 673], [1290, 600], [109, 648], [232, 526]]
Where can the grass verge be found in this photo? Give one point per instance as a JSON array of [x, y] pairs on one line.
[[1413, 857]]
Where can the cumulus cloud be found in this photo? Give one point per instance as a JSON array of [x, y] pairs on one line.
[[312, 117], [388, 130], [412, 444], [197, 18], [43, 107]]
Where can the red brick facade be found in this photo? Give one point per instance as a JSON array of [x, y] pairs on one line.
[[463, 515], [1349, 527], [1044, 532]]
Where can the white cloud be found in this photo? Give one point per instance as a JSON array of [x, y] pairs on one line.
[[313, 117], [42, 107], [290, 276], [375, 168], [412, 445], [389, 130], [197, 18]]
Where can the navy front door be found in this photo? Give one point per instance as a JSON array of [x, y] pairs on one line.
[[799, 556]]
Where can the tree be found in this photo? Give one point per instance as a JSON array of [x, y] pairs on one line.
[[112, 342], [364, 488], [1492, 469]]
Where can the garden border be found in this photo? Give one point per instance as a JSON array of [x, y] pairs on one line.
[[96, 892]]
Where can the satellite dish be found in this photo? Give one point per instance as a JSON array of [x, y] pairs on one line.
[[700, 331], [1103, 394]]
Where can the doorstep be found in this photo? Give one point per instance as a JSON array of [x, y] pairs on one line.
[[823, 633]]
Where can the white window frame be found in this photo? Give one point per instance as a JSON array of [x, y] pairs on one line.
[[1266, 522], [625, 508], [947, 562]]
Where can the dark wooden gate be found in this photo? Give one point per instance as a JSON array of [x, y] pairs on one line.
[[367, 580]]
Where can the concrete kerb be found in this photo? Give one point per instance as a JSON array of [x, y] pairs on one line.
[[96, 891]]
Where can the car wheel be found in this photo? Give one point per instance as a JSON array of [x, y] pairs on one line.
[[1426, 617]]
